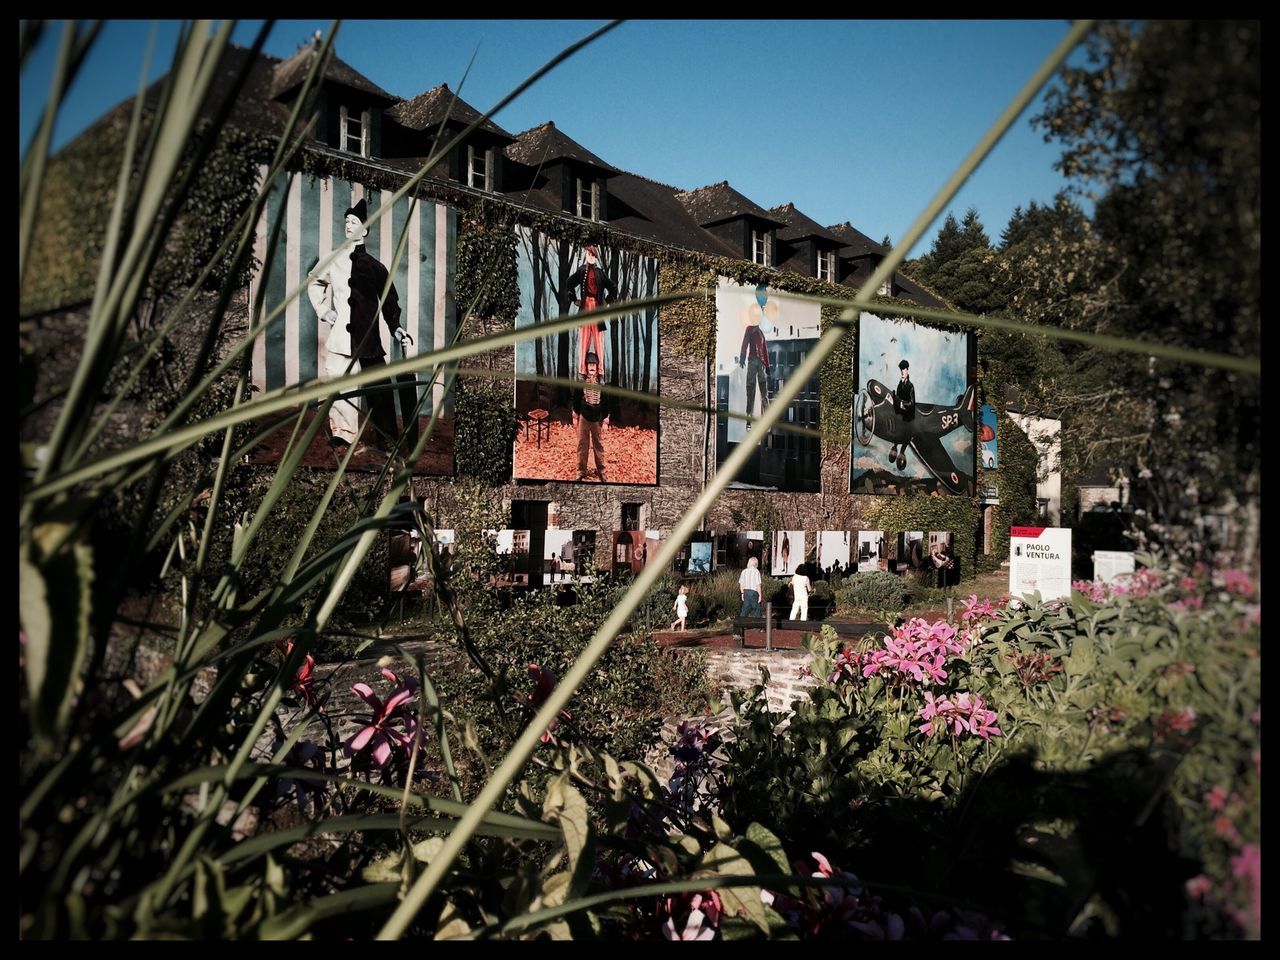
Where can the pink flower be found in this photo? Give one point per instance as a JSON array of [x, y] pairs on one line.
[[848, 666], [974, 609], [967, 713], [1238, 582], [700, 912], [1095, 590], [1223, 827], [378, 738], [850, 905], [1247, 867], [1199, 886], [1174, 725], [304, 680], [1216, 798]]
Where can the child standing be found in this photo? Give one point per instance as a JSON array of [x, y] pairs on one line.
[[681, 607]]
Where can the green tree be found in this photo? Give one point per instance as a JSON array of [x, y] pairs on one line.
[[1162, 127]]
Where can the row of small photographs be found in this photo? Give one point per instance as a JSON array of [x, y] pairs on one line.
[[572, 556], [822, 554], [568, 556]]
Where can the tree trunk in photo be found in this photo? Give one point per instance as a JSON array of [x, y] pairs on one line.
[[563, 368]]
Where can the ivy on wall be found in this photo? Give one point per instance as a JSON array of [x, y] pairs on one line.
[[484, 428], [1019, 461], [79, 190], [485, 273], [919, 511]]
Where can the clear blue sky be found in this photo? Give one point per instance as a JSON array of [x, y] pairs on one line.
[[849, 120]]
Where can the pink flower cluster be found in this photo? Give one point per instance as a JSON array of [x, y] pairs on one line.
[[967, 713], [974, 609], [915, 650], [1174, 725], [1095, 590], [1247, 868], [848, 667], [1238, 582], [304, 680], [1141, 583]]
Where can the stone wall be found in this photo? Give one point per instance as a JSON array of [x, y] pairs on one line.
[[740, 670]]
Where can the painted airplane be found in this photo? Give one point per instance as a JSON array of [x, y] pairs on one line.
[[876, 416]]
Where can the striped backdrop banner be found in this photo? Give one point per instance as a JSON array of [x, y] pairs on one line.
[[292, 350]]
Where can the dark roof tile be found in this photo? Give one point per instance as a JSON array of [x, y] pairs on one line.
[[292, 72], [719, 202], [798, 226], [545, 142], [428, 109]]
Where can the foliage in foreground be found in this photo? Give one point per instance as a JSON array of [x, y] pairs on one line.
[[1086, 767]]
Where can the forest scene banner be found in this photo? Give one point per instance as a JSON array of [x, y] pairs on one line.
[[914, 412], [580, 433], [761, 337], [336, 317]]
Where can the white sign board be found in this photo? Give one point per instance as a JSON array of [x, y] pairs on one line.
[[1040, 559], [1110, 564]]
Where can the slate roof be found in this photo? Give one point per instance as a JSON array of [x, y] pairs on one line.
[[649, 209], [856, 243], [292, 72], [798, 226], [719, 202], [428, 109], [543, 143]]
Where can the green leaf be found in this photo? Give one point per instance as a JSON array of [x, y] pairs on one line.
[[54, 597], [722, 830], [742, 902], [565, 806], [1149, 662], [1082, 657], [764, 850]]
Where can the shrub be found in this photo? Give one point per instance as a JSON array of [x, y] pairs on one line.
[[715, 598], [1117, 731], [822, 600], [877, 590]]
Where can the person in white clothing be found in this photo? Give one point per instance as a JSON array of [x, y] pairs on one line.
[[800, 587], [682, 608], [348, 296]]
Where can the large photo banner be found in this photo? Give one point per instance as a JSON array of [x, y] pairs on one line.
[[579, 432], [335, 322], [915, 411], [761, 337]]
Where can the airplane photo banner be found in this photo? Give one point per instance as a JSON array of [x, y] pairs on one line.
[[915, 411]]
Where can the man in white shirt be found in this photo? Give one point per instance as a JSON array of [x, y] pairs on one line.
[[800, 587]]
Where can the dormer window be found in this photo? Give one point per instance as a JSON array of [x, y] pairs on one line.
[[353, 132], [480, 168], [762, 247], [827, 265], [886, 288], [587, 193]]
